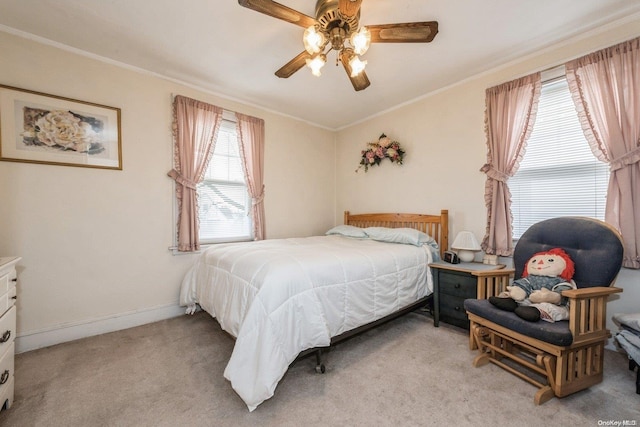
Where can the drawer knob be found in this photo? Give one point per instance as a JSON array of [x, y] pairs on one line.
[[5, 337], [457, 286], [15, 279], [457, 308], [5, 377]]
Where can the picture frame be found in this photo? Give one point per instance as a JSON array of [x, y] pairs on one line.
[[37, 127]]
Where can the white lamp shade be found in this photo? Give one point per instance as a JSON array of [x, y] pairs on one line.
[[466, 245]]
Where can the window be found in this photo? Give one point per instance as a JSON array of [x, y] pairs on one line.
[[558, 175], [223, 197]]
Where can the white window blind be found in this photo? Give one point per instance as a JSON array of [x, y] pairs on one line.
[[223, 196], [558, 175]]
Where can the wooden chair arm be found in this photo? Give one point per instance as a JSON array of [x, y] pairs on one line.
[[590, 292], [500, 272], [588, 312]]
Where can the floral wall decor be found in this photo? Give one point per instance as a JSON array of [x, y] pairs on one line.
[[50, 129], [378, 150]]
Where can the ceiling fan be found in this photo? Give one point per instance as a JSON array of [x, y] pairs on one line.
[[336, 27]]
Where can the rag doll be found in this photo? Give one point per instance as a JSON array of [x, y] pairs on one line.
[[537, 294]]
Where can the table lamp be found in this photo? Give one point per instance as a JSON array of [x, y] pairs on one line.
[[466, 246]]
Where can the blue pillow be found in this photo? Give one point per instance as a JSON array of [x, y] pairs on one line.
[[348, 231], [407, 236]]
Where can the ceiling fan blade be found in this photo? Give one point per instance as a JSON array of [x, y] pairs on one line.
[[294, 65], [279, 11], [409, 32], [349, 8], [359, 82]]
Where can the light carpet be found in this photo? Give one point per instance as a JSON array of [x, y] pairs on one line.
[[403, 373]]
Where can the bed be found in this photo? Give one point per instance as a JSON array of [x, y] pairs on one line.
[[280, 298]]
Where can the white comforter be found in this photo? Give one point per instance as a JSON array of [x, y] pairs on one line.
[[280, 297]]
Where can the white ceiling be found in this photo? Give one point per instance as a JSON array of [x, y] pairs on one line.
[[221, 47]]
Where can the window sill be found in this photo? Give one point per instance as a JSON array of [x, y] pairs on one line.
[[204, 246]]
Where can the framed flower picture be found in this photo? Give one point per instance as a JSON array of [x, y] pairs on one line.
[[41, 128]]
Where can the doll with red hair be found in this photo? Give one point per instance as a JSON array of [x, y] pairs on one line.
[[537, 294]]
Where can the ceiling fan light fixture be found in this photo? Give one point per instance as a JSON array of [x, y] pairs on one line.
[[316, 63], [357, 65], [336, 26], [313, 40], [360, 40]]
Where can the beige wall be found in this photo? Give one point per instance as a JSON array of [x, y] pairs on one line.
[[95, 242], [443, 135]]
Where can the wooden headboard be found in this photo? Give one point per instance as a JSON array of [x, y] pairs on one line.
[[436, 226]]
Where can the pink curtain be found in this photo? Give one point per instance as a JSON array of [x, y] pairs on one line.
[[605, 87], [195, 127], [509, 117], [251, 133]]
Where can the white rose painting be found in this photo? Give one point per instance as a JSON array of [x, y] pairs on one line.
[[40, 128], [63, 130]]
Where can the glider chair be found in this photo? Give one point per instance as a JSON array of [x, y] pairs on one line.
[[566, 356]]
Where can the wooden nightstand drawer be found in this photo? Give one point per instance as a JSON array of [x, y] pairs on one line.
[[455, 284], [452, 311]]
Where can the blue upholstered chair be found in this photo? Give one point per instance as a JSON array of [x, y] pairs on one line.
[[564, 357]]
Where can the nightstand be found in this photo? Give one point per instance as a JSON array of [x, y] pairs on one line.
[[453, 283]]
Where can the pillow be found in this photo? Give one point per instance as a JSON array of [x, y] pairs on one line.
[[348, 231], [407, 236]]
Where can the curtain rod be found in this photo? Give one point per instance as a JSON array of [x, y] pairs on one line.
[[230, 115], [552, 73]]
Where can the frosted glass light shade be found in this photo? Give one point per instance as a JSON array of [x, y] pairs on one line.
[[316, 63], [466, 246], [357, 66], [313, 40], [360, 40]]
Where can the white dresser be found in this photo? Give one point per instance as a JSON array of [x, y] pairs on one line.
[[8, 281]]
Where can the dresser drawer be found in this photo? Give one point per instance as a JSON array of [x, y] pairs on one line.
[[461, 285], [7, 330], [7, 300], [6, 370], [8, 281], [6, 394]]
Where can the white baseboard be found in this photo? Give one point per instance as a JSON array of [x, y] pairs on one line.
[[33, 340]]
